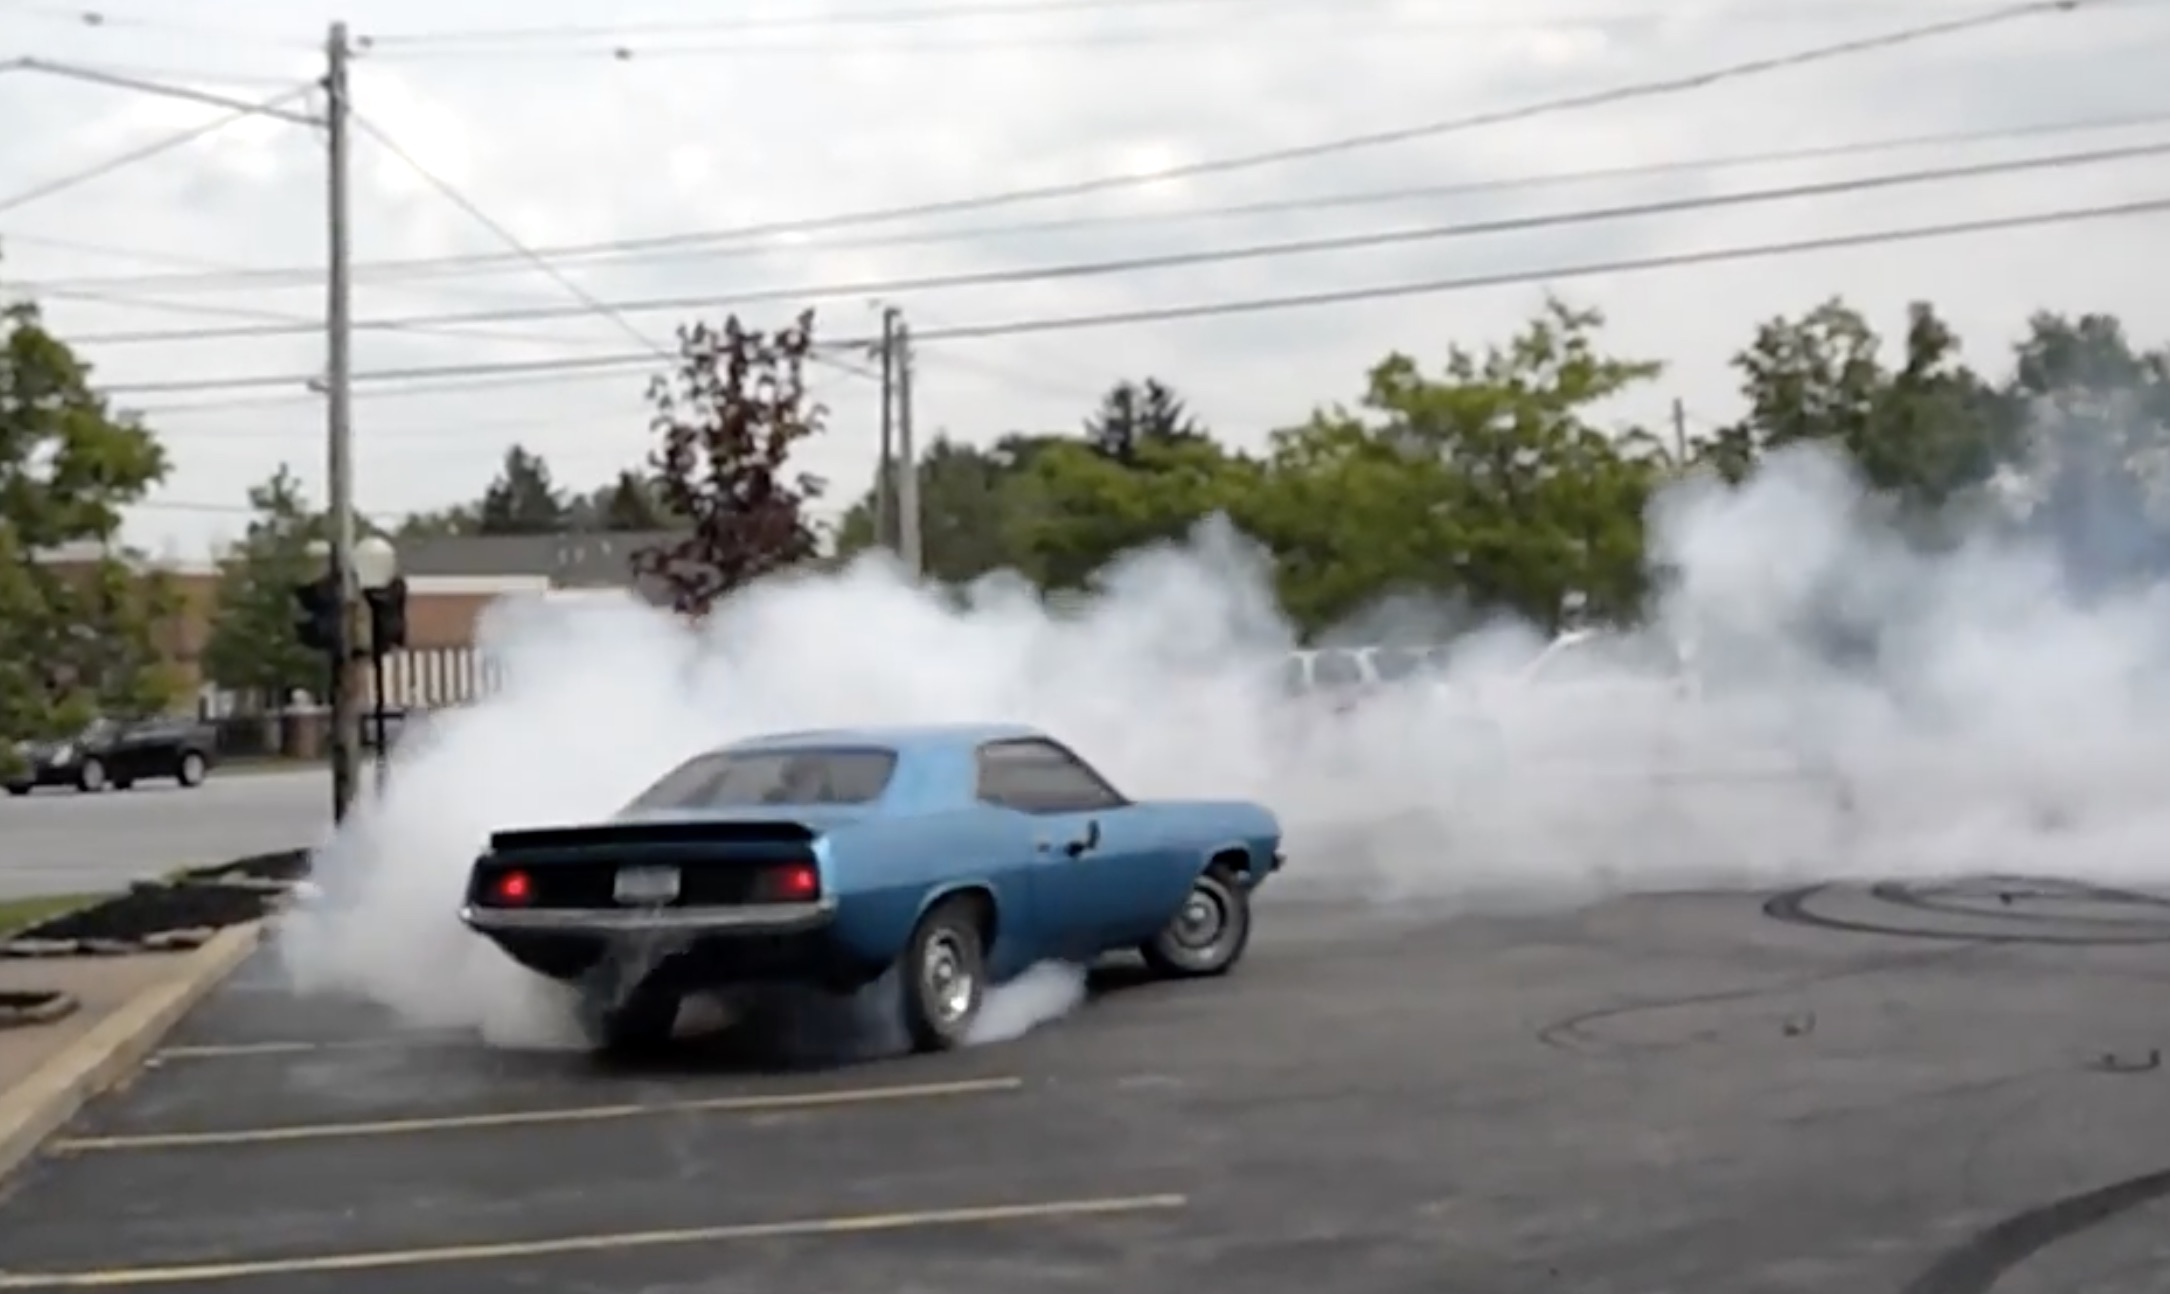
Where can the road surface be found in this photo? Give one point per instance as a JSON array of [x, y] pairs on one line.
[[62, 842], [1949, 1093]]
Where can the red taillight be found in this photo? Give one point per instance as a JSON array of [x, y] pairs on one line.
[[792, 883], [512, 888]]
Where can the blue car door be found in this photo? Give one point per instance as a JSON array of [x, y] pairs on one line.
[[1141, 873], [1075, 902], [1095, 856]]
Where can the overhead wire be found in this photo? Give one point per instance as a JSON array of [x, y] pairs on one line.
[[452, 194], [1256, 305], [161, 145], [203, 276], [105, 19], [1105, 183], [1203, 256], [474, 41]]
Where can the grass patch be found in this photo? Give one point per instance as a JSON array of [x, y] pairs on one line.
[[17, 915]]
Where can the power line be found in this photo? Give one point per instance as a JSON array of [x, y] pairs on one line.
[[1256, 305], [452, 194], [1210, 256], [163, 144], [101, 19], [286, 321], [411, 43], [213, 277], [513, 375], [1657, 88], [1262, 23]]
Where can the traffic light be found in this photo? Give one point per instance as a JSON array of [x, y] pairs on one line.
[[316, 615], [387, 617]]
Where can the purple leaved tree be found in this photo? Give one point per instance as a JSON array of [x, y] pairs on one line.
[[728, 417]]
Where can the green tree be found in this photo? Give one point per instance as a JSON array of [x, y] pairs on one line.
[[967, 497], [523, 500], [253, 648], [1922, 433], [442, 523], [2091, 417], [1075, 508], [1489, 480], [1133, 414], [71, 644], [629, 504]]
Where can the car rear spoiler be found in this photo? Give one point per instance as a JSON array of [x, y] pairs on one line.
[[635, 834]]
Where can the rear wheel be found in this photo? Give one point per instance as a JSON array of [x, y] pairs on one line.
[[945, 976], [1207, 934], [192, 769], [91, 776]]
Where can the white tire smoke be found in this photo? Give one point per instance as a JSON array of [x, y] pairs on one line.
[[1999, 724]]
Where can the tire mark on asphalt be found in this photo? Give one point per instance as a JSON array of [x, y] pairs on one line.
[[1791, 907], [1976, 1266], [1572, 1033]]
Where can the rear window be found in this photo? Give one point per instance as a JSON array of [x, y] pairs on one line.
[[741, 779]]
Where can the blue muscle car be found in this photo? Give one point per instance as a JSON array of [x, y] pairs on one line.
[[957, 855]]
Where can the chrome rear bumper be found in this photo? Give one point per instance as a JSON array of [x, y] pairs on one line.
[[755, 919]]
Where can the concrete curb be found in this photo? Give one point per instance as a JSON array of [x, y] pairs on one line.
[[113, 1048]]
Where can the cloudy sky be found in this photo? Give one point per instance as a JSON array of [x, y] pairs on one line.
[[192, 279]]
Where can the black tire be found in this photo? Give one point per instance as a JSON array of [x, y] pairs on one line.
[[945, 976], [91, 777], [1207, 934], [643, 1024], [192, 769], [18, 790], [124, 783]]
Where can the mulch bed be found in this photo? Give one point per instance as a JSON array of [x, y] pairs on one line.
[[280, 869], [149, 918], [37, 1006], [170, 915]]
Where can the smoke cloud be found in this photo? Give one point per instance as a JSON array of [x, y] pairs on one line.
[[1863, 707]]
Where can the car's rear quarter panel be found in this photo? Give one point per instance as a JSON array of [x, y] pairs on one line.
[[1215, 829], [932, 840]]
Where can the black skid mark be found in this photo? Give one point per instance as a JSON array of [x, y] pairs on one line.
[[1976, 1266], [1793, 908], [1573, 1032]]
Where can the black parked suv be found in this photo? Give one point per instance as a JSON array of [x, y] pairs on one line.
[[119, 753]]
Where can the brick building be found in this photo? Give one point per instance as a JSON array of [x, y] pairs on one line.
[[449, 581]]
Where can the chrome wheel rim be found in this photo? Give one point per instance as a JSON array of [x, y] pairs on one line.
[[1202, 920], [93, 775], [946, 976], [191, 768]]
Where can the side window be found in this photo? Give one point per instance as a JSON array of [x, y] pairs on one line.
[[1041, 777]]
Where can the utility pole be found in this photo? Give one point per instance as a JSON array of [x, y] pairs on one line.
[[885, 472], [347, 682], [1680, 434], [909, 548]]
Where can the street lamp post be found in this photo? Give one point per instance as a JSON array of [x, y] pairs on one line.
[[342, 586], [376, 571], [323, 626]]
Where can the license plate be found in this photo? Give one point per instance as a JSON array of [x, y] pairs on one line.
[[646, 885]]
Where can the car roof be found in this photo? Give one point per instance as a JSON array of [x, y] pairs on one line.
[[901, 737]]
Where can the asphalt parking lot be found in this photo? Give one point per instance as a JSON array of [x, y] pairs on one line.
[[1660, 1094]]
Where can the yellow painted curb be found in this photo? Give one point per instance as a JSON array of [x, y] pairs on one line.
[[42, 1104]]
